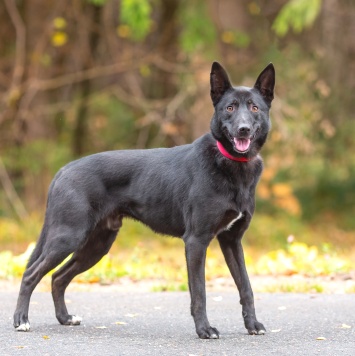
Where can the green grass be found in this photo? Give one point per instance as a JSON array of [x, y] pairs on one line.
[[170, 287], [294, 287]]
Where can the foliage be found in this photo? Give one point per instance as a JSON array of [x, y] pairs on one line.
[[113, 124], [238, 38], [131, 73], [140, 255], [97, 2], [302, 259], [38, 155], [296, 14], [14, 266], [15, 235], [198, 31], [136, 15]]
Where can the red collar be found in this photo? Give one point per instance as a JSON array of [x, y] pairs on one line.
[[226, 154]]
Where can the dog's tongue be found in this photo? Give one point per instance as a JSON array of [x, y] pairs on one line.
[[242, 144]]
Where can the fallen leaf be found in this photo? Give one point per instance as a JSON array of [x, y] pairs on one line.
[[345, 326], [321, 338], [101, 327], [20, 347], [45, 337], [131, 315], [120, 323], [276, 330]]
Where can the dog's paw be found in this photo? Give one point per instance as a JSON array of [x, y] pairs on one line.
[[208, 333], [23, 327], [21, 322], [69, 319], [74, 320], [255, 328]]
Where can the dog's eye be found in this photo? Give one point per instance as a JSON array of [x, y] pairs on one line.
[[254, 108], [230, 108]]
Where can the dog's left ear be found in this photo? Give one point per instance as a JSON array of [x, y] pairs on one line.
[[266, 82], [219, 82]]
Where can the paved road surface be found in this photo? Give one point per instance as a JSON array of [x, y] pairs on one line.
[[119, 323]]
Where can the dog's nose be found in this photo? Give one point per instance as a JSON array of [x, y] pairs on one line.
[[244, 130]]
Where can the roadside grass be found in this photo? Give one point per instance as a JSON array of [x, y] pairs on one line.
[[294, 287], [139, 254]]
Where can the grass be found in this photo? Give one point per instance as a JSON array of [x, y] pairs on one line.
[[296, 287], [142, 255]]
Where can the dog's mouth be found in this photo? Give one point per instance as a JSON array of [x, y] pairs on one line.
[[242, 145]]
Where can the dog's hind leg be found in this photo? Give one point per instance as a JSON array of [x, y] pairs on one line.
[[54, 251], [96, 246], [36, 253], [233, 253]]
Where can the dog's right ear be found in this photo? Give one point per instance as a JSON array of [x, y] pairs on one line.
[[219, 82]]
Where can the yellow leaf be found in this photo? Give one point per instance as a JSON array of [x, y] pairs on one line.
[[144, 70], [59, 23], [59, 39], [228, 37], [254, 8], [94, 279], [123, 31], [120, 323], [45, 337], [321, 338]]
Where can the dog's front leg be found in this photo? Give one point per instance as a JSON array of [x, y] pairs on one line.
[[232, 249], [195, 259]]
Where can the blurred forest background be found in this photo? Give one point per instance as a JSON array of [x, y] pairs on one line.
[[83, 76]]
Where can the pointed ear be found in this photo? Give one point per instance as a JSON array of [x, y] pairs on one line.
[[219, 82], [266, 82]]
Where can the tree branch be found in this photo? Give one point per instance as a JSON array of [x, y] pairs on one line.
[[77, 77], [20, 57], [11, 192]]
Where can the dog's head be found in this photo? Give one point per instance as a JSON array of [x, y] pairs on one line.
[[241, 120]]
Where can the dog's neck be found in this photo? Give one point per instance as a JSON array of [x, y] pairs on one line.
[[229, 156]]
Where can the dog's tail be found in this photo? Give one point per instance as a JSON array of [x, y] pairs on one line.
[[39, 247], [36, 253]]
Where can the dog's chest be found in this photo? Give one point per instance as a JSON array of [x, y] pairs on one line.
[[226, 222], [231, 223], [235, 206]]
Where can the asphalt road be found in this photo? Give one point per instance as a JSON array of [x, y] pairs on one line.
[[143, 323]]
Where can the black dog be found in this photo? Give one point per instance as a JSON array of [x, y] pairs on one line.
[[194, 191]]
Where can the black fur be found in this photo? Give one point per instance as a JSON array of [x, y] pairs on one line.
[[190, 191]]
